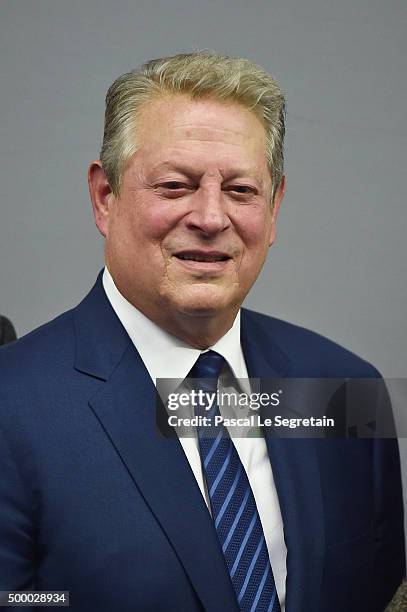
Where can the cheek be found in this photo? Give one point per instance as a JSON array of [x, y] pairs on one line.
[[159, 223], [154, 219], [139, 238], [254, 229], [139, 227]]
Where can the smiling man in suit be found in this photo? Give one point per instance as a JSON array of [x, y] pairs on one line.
[[92, 499]]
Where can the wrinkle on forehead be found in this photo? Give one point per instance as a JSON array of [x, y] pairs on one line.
[[203, 133], [180, 112]]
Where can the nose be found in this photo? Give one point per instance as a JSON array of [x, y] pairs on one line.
[[209, 211]]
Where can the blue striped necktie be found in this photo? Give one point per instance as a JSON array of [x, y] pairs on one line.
[[233, 506]]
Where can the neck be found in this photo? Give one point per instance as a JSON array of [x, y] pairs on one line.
[[200, 331]]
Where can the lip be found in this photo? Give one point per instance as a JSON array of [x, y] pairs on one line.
[[204, 266]]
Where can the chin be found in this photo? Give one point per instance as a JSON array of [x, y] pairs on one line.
[[205, 301]]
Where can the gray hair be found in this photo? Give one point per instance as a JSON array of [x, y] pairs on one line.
[[201, 74]]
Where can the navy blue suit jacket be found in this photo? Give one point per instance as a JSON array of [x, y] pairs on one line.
[[94, 501]]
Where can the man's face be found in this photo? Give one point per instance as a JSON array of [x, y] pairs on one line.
[[190, 231]]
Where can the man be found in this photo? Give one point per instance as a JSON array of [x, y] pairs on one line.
[[92, 499]]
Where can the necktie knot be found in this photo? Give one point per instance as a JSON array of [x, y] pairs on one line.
[[208, 365]]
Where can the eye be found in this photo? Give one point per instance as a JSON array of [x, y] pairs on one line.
[[241, 189], [173, 185], [173, 189]]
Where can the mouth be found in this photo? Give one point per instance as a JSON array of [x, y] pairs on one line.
[[203, 256], [204, 261]]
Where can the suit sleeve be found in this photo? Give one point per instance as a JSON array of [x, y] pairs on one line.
[[389, 529], [16, 524], [390, 559]]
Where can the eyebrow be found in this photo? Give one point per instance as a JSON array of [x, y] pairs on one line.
[[191, 171]]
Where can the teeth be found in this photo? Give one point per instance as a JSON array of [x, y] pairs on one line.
[[201, 258]]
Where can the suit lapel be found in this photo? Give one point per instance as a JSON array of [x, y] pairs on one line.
[[296, 475], [125, 405]]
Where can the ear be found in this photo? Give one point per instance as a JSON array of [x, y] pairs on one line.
[[278, 198], [101, 196]]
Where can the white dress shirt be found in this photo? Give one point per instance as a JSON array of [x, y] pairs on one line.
[[166, 356]]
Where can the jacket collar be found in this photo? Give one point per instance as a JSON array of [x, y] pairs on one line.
[[101, 340]]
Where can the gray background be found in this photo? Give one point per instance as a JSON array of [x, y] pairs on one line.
[[339, 263]]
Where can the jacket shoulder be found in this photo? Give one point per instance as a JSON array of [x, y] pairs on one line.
[[309, 353], [38, 351]]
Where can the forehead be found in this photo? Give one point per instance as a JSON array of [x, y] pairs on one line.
[[182, 129]]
